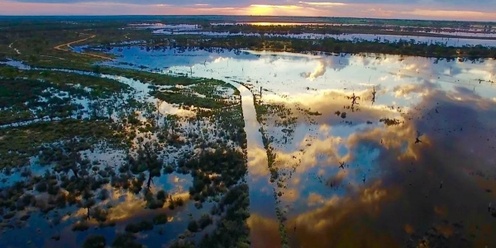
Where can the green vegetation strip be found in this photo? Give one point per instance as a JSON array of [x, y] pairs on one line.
[[65, 80], [18, 144], [331, 45], [204, 93]]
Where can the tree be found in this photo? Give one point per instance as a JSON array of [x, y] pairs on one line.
[[147, 159], [97, 241], [88, 201], [96, 69], [193, 226]]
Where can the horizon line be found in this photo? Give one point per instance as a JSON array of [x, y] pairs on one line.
[[234, 15]]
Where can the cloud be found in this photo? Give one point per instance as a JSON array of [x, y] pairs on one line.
[[264, 232], [340, 221], [412, 191], [332, 62], [322, 4], [423, 9], [315, 199], [432, 193], [405, 90], [318, 72], [450, 14], [257, 161]]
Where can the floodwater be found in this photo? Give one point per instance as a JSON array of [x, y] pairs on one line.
[[474, 31], [54, 229], [370, 149], [382, 38], [456, 38]]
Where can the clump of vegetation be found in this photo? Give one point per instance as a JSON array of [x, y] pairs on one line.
[[204, 221], [390, 122], [226, 163], [160, 219], [65, 81], [193, 226], [332, 45], [143, 225], [126, 240], [203, 94], [80, 226], [96, 241], [18, 144], [232, 230]]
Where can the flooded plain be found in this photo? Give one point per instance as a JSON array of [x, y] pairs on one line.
[[116, 201], [358, 149], [445, 37], [342, 150]]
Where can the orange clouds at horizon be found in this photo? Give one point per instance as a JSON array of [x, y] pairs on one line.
[[301, 8]]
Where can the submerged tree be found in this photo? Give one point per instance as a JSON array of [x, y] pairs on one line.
[[147, 159], [66, 157]]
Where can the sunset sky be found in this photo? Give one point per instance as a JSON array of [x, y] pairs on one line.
[[482, 10]]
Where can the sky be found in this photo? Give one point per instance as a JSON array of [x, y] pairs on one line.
[[481, 10]]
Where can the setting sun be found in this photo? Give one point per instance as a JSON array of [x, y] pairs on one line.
[[264, 9], [260, 9]]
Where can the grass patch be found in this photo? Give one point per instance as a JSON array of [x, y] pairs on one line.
[[66, 80], [18, 144], [205, 93]]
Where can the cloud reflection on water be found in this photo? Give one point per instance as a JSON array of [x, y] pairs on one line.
[[439, 184], [392, 191]]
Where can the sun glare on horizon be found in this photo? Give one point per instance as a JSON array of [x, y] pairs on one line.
[[277, 10], [257, 9]]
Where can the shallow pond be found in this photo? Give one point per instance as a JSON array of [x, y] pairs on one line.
[[368, 148]]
